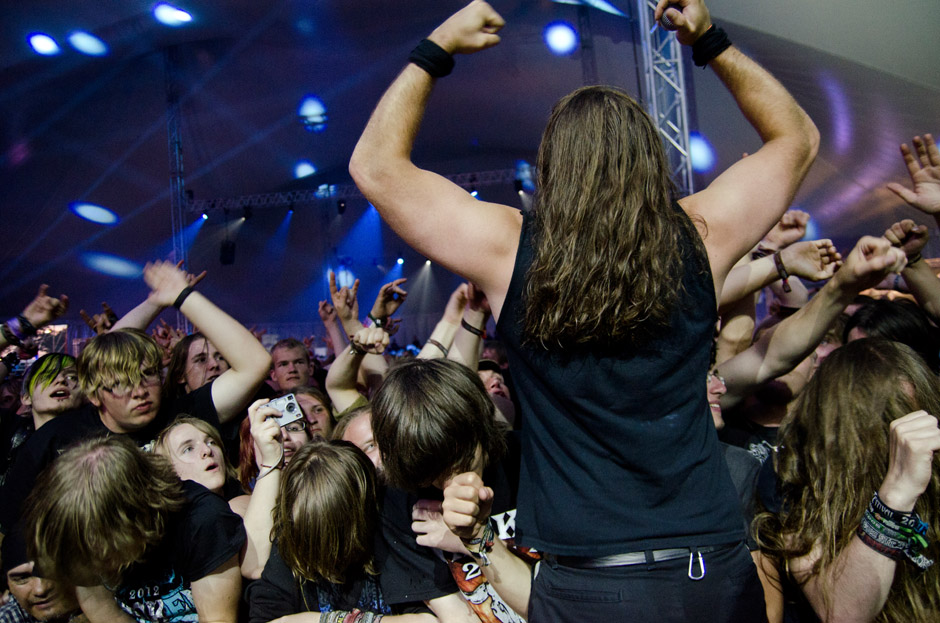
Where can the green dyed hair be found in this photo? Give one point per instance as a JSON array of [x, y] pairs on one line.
[[44, 370]]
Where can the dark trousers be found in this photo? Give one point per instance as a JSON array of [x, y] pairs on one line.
[[729, 592]]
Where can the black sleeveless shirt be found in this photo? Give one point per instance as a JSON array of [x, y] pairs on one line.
[[619, 451]]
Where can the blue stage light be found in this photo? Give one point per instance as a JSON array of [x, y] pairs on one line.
[[561, 38], [701, 153], [303, 168], [112, 265], [94, 213], [43, 44], [87, 43], [205, 216], [312, 113], [170, 15], [401, 261]]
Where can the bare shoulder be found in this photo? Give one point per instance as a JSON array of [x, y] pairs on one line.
[[239, 505]]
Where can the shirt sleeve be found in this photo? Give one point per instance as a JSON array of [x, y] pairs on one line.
[[276, 594], [210, 534]]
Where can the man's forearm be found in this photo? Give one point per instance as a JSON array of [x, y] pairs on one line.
[[924, 285]]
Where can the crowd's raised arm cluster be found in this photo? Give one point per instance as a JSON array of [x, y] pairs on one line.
[[633, 446]]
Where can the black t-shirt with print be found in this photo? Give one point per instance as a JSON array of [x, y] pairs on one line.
[[199, 538]]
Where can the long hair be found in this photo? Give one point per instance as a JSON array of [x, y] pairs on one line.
[[608, 265], [176, 369], [97, 508], [160, 443], [327, 513], [247, 466], [834, 455], [430, 418]]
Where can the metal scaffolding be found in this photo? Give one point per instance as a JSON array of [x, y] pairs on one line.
[[665, 93]]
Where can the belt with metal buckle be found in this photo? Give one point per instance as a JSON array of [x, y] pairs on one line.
[[633, 558]]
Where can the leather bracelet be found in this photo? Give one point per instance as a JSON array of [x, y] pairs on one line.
[[378, 322], [182, 297], [442, 348], [913, 260], [782, 272], [472, 329], [26, 326]]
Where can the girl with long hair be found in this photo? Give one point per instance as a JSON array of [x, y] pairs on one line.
[[859, 447]]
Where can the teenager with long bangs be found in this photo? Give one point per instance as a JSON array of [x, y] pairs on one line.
[[328, 558], [139, 544], [605, 299], [119, 374], [856, 529]]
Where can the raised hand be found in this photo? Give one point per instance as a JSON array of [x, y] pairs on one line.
[[471, 29], [924, 169], [191, 278], [453, 312], [869, 262], [100, 323], [389, 299], [392, 325], [790, 228], [913, 440], [908, 237], [476, 300], [691, 22], [813, 259], [327, 312], [266, 432], [344, 300], [427, 521], [166, 280], [467, 505], [44, 309], [370, 339]]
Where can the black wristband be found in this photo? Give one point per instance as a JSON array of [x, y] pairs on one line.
[[432, 58], [9, 336], [182, 297], [379, 322], [472, 329], [709, 45], [27, 327]]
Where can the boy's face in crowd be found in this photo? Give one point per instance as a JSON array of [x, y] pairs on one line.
[[204, 364], [359, 434], [42, 599], [318, 417], [125, 409], [195, 456], [291, 367], [59, 396]]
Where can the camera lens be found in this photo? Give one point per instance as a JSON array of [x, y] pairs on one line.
[[290, 407]]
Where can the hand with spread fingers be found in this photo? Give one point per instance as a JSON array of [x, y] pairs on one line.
[[923, 166]]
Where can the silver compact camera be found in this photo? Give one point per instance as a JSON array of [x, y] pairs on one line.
[[289, 408]]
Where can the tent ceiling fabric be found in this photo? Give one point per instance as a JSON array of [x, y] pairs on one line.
[[81, 128]]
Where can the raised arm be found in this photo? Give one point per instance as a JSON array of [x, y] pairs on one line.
[[467, 504], [745, 201], [42, 310], [920, 278], [248, 359], [147, 311], [814, 260], [343, 374], [795, 338], [441, 340], [923, 166], [469, 338], [472, 238]]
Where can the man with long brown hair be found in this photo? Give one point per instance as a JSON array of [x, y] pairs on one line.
[[605, 299]]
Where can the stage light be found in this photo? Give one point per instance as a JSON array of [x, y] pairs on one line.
[[345, 278], [312, 113], [427, 262], [474, 193], [341, 206], [93, 213], [303, 168], [205, 216], [87, 43], [169, 15], [43, 44], [112, 265], [561, 38], [701, 153], [600, 5], [400, 261]]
